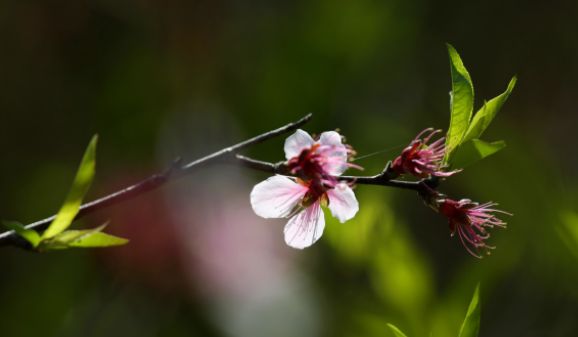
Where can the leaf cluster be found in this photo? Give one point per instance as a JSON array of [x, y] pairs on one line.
[[57, 235], [463, 144]]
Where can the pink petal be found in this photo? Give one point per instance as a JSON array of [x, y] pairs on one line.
[[335, 153], [342, 202], [330, 138], [276, 197], [336, 162], [296, 143], [306, 227]]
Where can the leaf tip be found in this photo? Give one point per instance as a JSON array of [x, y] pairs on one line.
[[512, 83], [93, 143], [396, 331]]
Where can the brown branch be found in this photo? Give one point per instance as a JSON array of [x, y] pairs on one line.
[[154, 181], [382, 179], [228, 155]]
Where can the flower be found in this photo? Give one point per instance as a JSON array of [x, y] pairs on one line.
[[471, 221], [421, 159], [323, 159], [316, 165]]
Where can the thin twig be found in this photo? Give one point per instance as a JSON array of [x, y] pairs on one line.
[[228, 155], [382, 179], [154, 181]]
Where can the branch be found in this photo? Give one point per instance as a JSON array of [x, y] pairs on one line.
[[382, 179], [154, 181], [385, 178]]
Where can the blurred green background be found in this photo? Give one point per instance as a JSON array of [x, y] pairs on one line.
[[160, 79]]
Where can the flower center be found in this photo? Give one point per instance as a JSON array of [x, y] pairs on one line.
[[309, 164]]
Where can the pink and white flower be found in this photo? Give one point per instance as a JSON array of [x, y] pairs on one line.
[[316, 165], [471, 221], [323, 159], [422, 159]]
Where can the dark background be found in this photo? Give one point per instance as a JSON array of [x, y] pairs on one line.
[[159, 79]]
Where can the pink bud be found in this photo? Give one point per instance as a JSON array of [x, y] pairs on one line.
[[422, 160], [471, 221]]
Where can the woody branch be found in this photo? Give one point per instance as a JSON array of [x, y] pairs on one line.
[[228, 155]]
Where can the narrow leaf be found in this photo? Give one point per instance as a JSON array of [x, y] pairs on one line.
[[28, 234], [473, 151], [396, 331], [568, 231], [85, 238], [98, 239], [80, 186], [461, 102], [486, 114], [471, 324], [64, 239]]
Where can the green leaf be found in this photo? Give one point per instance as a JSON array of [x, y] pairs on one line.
[[86, 238], [64, 239], [28, 234], [82, 181], [98, 239], [568, 231], [486, 114], [396, 331], [461, 102], [475, 150], [471, 324]]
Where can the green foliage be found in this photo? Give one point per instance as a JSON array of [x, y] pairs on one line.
[[471, 324], [88, 238], [80, 186], [568, 231], [475, 150], [28, 234], [486, 114], [461, 102], [56, 236], [395, 330], [463, 146], [98, 239]]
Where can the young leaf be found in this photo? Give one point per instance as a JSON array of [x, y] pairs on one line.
[[98, 239], [471, 324], [486, 114], [461, 102], [80, 186], [568, 231], [28, 234], [82, 239], [396, 331], [475, 150], [64, 239]]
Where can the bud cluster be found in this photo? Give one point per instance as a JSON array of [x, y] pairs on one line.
[[470, 220], [314, 167]]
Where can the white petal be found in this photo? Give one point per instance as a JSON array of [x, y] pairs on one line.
[[330, 138], [336, 153], [342, 202], [336, 160], [276, 197], [337, 163], [295, 143], [305, 228]]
